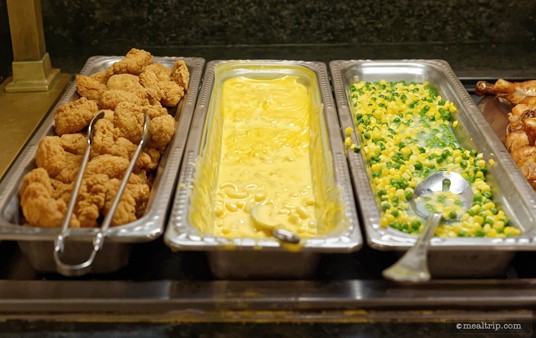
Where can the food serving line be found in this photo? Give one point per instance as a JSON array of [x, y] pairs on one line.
[[180, 285]]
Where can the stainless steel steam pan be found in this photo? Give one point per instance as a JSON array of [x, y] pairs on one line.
[[462, 257], [37, 243], [264, 258]]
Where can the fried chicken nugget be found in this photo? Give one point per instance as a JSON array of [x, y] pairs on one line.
[[74, 143], [101, 77], [61, 156], [111, 98], [109, 165], [90, 201], [156, 78], [161, 130], [89, 87], [129, 119], [41, 200], [172, 93], [107, 140], [100, 184], [50, 155], [120, 134], [180, 74], [134, 62], [156, 110], [74, 116], [148, 160], [133, 201], [127, 82]]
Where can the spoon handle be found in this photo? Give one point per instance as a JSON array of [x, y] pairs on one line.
[[413, 266], [423, 241]]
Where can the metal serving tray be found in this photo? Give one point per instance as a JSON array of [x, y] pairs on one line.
[[266, 258], [448, 257], [37, 243]]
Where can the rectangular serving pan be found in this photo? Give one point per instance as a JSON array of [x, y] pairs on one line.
[[37, 243], [448, 257], [266, 258]]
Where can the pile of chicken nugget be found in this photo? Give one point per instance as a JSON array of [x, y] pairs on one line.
[[123, 91]]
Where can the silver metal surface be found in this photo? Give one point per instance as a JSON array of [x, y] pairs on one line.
[[197, 300], [227, 256], [147, 227], [452, 256]]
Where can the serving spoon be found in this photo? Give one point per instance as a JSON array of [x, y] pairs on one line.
[[413, 266], [259, 216]]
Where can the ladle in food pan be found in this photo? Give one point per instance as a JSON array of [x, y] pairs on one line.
[[98, 241], [413, 266], [276, 230]]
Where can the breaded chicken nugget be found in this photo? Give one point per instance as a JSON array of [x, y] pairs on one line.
[[107, 140], [161, 130], [159, 86], [74, 116], [111, 98], [127, 82], [134, 62], [89, 88], [180, 74], [132, 203], [60, 164], [41, 205]]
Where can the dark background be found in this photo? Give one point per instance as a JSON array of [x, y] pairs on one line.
[[468, 34]]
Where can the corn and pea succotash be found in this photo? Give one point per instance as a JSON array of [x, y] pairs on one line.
[[406, 134]]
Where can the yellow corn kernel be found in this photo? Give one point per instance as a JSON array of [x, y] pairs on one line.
[[498, 225], [479, 219], [348, 142], [348, 131], [511, 231], [492, 233], [407, 151]]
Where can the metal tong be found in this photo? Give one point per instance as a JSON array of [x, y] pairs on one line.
[[98, 241]]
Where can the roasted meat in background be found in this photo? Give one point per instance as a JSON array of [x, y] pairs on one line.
[[520, 137]]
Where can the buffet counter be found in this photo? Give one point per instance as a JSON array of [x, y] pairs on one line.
[[162, 292]]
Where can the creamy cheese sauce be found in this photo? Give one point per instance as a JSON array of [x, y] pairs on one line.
[[264, 158]]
